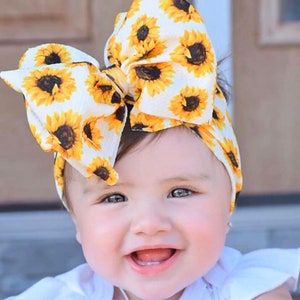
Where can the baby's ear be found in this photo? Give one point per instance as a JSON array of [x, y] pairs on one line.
[[78, 236], [228, 226]]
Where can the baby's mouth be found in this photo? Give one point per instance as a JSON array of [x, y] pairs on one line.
[[151, 257]]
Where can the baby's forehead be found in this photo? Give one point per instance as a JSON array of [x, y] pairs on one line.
[[177, 145], [165, 143]]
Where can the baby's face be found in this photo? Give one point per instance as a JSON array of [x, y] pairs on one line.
[[163, 225]]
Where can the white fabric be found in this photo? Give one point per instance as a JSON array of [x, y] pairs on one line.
[[234, 277]]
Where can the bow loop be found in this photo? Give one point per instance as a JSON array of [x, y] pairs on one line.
[[171, 65], [71, 107], [51, 54]]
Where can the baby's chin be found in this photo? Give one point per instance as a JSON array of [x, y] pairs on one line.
[[154, 294]]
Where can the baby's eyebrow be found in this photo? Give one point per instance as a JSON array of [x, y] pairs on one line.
[[99, 184], [184, 177], [92, 184]]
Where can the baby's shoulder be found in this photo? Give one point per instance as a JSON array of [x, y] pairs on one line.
[[246, 276], [77, 284], [46, 289]]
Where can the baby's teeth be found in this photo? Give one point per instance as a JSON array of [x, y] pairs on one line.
[[149, 263]]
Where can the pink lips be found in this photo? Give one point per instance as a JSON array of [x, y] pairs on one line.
[[152, 261]]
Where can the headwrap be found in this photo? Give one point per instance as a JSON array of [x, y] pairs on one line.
[[159, 59]]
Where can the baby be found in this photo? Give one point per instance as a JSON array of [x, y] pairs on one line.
[[147, 163]]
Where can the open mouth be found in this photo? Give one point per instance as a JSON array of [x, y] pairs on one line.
[[152, 257]]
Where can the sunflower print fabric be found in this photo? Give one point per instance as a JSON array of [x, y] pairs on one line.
[[159, 59]]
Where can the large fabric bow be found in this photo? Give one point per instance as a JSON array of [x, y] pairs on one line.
[[158, 59]]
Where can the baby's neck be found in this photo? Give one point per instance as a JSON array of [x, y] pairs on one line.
[[119, 294]]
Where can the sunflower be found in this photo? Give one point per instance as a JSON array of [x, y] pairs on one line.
[[11, 85], [65, 134], [144, 31], [52, 54], [145, 122], [231, 154], [219, 93], [91, 134], [150, 50], [118, 19], [205, 133], [218, 118], [189, 104], [48, 85], [59, 167], [103, 169], [91, 68], [153, 77], [238, 187], [232, 206], [180, 11], [113, 52], [116, 75], [22, 59], [115, 121], [135, 7], [100, 87], [174, 123], [26, 104], [229, 117], [35, 134], [195, 52]]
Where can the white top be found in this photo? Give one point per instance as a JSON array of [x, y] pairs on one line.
[[234, 277]]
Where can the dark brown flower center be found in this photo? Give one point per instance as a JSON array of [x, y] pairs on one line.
[[142, 33], [66, 136], [233, 159], [198, 54], [104, 88], [196, 130], [192, 103], [120, 113], [148, 73], [61, 168], [53, 58], [139, 127], [116, 98], [102, 172], [215, 115], [182, 5], [88, 131], [47, 83]]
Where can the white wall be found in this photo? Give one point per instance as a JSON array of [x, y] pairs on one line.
[[217, 17]]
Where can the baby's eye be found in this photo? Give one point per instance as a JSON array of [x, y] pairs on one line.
[[114, 198], [180, 192]]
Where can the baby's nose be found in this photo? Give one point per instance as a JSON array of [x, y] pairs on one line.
[[150, 219]]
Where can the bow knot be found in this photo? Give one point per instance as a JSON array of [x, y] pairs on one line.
[[120, 82]]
